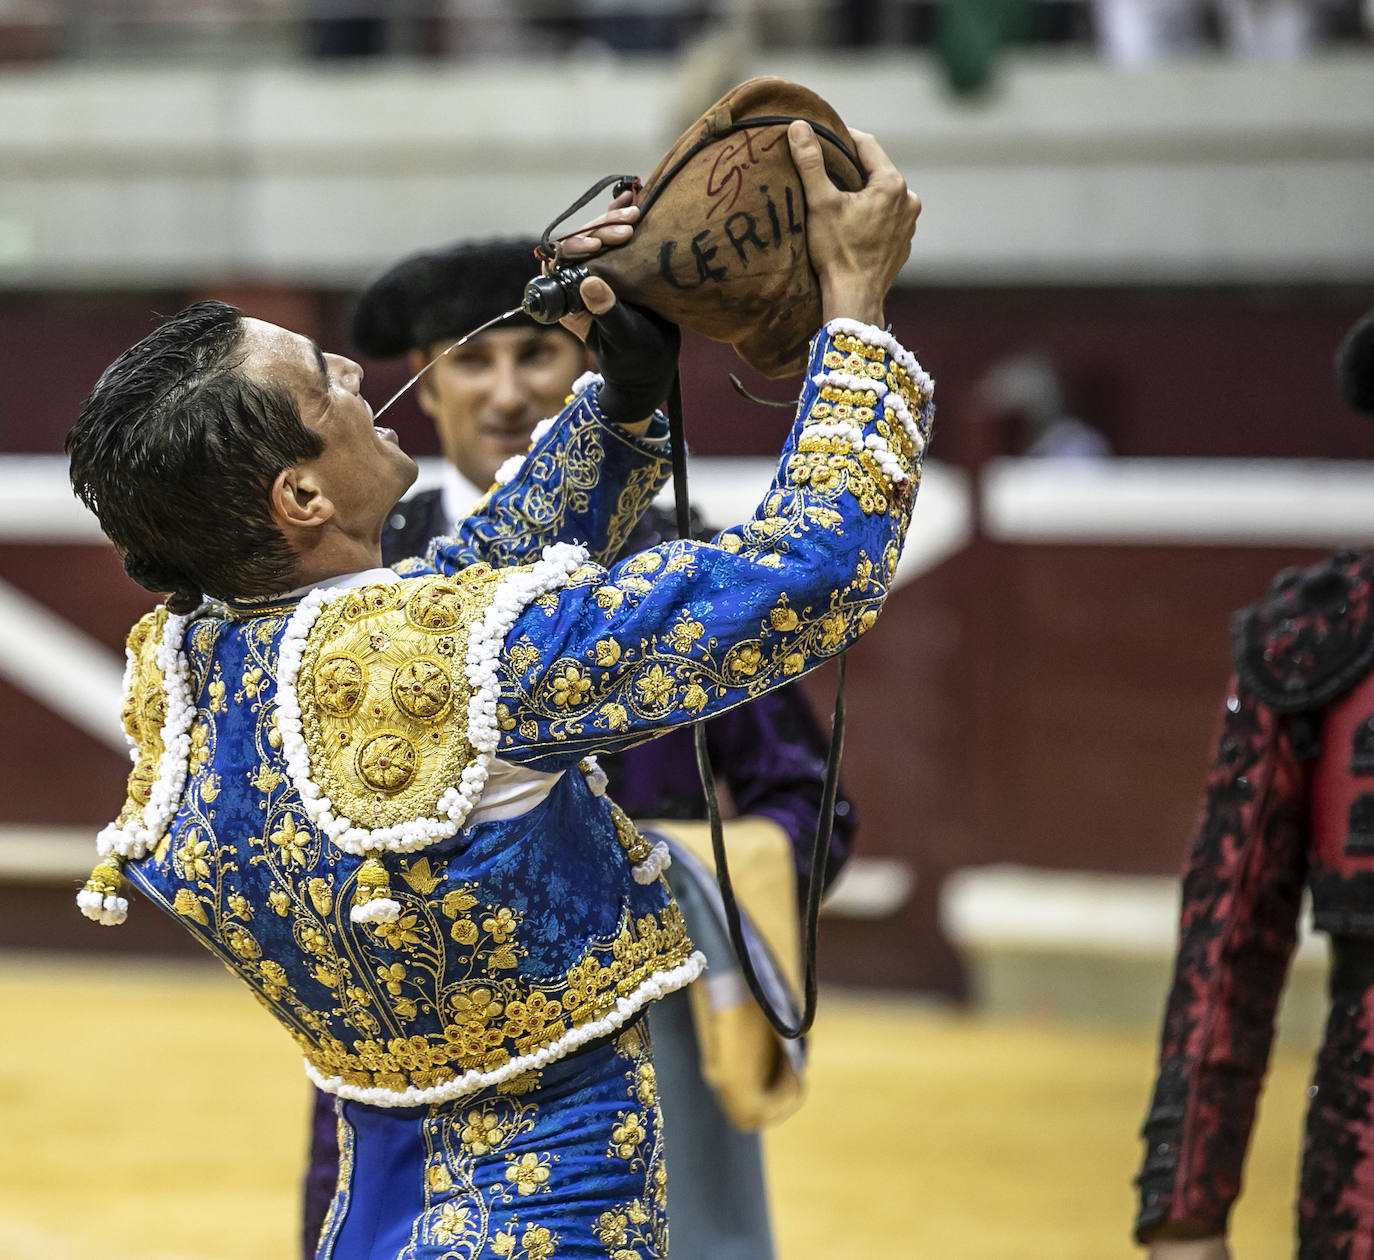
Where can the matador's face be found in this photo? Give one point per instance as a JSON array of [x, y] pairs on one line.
[[362, 470]]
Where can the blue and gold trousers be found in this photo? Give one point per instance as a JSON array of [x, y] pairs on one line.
[[560, 1164]]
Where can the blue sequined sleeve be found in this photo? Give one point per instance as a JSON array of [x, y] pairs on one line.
[[584, 480], [690, 629]]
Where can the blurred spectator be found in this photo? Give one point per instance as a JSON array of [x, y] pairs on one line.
[[336, 28], [489, 28], [1025, 397], [369, 28], [643, 26], [971, 33], [1137, 32]]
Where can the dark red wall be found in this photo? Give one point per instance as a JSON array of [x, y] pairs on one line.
[[1051, 705], [1207, 372]]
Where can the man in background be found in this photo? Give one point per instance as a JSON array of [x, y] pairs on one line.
[[1288, 807], [721, 1072]]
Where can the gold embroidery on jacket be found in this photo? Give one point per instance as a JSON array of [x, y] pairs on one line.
[[487, 1016], [383, 694]]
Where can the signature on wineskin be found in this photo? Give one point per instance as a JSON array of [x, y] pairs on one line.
[[737, 155]]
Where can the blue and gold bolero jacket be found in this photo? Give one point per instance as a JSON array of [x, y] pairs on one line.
[[378, 803]]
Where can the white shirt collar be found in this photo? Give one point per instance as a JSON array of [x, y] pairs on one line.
[[340, 582], [456, 495]]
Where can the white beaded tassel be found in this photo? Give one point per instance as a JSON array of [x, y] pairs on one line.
[[99, 900]]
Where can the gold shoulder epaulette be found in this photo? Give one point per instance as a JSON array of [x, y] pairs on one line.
[[383, 691]]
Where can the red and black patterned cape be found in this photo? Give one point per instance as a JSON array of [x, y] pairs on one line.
[[1289, 803]]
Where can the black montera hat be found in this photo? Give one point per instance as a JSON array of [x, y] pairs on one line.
[[1355, 365], [443, 293]]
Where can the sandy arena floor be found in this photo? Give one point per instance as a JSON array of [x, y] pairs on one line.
[[154, 1112]]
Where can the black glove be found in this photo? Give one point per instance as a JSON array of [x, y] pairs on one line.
[[636, 351]]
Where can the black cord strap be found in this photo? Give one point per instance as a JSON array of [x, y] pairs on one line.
[[551, 250], [825, 822]]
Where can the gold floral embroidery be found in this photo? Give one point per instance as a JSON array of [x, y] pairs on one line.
[[251, 682], [638, 1229], [187, 904], [292, 840], [241, 941], [627, 1135], [421, 878], [321, 895], [454, 1221], [265, 779], [569, 688], [484, 1023], [194, 856], [274, 978], [646, 1084], [200, 745], [401, 933], [685, 633], [655, 688], [530, 1173], [538, 1242], [524, 656], [483, 1132], [458, 901]]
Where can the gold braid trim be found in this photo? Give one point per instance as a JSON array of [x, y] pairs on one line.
[[144, 712]]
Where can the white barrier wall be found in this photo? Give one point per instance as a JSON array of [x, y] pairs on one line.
[[1071, 172]]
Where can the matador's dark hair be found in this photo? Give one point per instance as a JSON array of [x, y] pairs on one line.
[[176, 451]]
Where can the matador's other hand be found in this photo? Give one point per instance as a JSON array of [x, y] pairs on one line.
[[613, 226], [857, 241], [635, 349]]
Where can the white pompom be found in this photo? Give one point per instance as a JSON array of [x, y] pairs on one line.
[[378, 910]]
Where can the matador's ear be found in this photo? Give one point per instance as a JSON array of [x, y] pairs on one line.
[[297, 499]]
